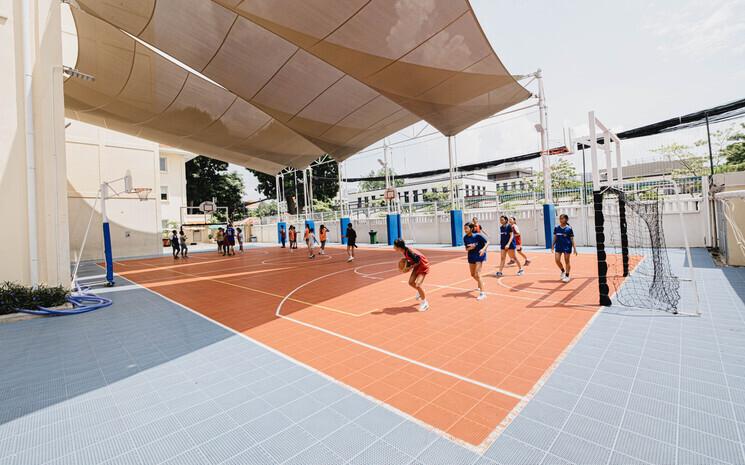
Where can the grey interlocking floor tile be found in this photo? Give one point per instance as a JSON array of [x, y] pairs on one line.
[[288, 443], [211, 428], [347, 441], [591, 430], [324, 422], [644, 448], [410, 438], [445, 452], [509, 451], [576, 450], [268, 425], [379, 420], [380, 453], [253, 456], [317, 454], [532, 432], [222, 447]]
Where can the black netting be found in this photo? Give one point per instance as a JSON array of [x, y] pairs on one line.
[[639, 270]]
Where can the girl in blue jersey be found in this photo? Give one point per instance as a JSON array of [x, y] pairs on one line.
[[563, 245], [476, 244], [508, 245]]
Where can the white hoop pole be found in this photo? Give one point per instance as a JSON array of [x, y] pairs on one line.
[[608, 159], [452, 173], [85, 239], [594, 151]]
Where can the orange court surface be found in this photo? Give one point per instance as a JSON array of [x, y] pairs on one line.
[[464, 367]]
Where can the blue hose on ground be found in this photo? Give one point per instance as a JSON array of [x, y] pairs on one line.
[[82, 302]]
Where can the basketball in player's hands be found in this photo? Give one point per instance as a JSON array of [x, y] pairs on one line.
[[403, 265]]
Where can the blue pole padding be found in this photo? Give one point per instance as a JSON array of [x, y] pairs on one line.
[[343, 226], [456, 228], [280, 226], [393, 225], [311, 224], [549, 222], [107, 254]]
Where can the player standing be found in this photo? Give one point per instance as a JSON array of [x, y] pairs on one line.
[[563, 245]]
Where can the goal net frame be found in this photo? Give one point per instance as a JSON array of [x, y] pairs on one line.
[[602, 138], [727, 211]]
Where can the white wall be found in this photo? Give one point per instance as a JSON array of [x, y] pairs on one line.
[[435, 229], [96, 155]]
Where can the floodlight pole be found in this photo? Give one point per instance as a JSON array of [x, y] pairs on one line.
[[549, 212], [545, 162]]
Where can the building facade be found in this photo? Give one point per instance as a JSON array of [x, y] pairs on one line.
[[96, 155]]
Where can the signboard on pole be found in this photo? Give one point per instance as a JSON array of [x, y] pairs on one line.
[[390, 193], [207, 206]]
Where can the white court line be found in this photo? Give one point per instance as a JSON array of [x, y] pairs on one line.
[[379, 349], [106, 290]]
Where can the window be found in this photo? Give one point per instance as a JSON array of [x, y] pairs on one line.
[[163, 192], [163, 164], [406, 196], [359, 202], [416, 196]]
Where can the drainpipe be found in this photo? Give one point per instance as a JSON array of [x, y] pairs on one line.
[[28, 67]]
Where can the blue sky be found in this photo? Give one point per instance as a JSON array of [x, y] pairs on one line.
[[633, 62]]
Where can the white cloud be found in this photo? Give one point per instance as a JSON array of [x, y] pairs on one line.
[[700, 28]]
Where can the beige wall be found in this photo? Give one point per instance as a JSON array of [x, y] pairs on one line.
[[51, 242], [732, 182], [174, 178], [96, 155]]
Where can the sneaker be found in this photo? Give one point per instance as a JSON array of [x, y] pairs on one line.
[[418, 297], [350, 259], [527, 262], [563, 275], [312, 256], [499, 274], [520, 272], [565, 279], [481, 296], [424, 306]]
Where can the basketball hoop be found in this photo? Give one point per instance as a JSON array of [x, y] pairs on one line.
[[142, 192], [207, 206], [390, 193]]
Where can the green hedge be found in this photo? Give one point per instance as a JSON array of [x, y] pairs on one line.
[[14, 295]]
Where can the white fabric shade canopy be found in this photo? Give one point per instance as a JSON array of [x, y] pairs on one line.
[[297, 78]]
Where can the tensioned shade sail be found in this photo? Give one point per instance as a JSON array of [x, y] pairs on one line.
[[340, 74]]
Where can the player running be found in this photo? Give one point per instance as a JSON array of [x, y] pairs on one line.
[[476, 245]]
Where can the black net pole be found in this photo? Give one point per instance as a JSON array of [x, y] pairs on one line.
[[603, 288], [624, 234]]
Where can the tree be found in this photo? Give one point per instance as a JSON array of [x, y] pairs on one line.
[[734, 152], [207, 179], [563, 176], [366, 186], [687, 163], [440, 196], [325, 185], [266, 208]]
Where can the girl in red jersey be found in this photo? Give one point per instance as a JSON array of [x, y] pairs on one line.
[[518, 242], [419, 266]]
